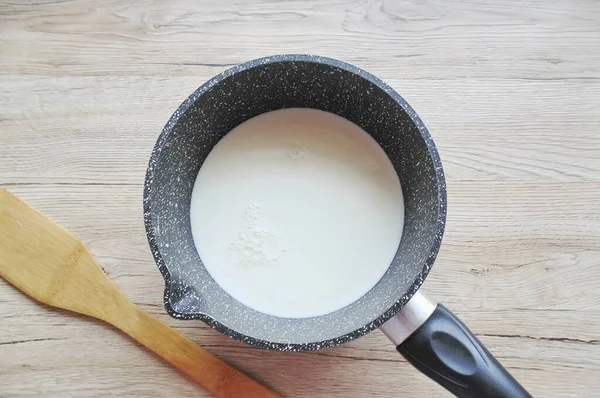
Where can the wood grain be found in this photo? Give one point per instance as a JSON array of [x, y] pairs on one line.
[[46, 262], [509, 90]]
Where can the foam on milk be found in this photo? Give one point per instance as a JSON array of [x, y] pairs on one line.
[[297, 213]]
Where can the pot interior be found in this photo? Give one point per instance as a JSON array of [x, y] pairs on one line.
[[261, 86]]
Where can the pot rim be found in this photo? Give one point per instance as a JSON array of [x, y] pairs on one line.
[[397, 306]]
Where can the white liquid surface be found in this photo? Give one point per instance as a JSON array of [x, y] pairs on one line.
[[297, 213]]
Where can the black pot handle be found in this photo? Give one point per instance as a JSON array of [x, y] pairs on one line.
[[445, 350]]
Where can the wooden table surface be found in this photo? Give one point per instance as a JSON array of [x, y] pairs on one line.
[[510, 92]]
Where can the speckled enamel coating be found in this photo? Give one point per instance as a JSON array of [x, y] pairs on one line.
[[263, 85]]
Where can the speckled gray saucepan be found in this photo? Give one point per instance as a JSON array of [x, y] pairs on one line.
[[428, 335]]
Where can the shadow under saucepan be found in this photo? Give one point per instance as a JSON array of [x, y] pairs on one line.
[[368, 366]]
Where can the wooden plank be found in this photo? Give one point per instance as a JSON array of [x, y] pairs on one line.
[[105, 132], [510, 92]]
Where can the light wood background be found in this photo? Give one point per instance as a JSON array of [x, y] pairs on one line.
[[509, 90]]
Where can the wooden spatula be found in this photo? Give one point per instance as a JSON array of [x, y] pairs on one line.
[[49, 264]]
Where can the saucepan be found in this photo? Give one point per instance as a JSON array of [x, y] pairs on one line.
[[427, 334]]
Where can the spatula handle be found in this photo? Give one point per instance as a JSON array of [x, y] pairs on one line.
[[196, 362]]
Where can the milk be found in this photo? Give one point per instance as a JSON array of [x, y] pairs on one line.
[[297, 213]]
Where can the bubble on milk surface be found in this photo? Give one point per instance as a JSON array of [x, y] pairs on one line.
[[254, 245]]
